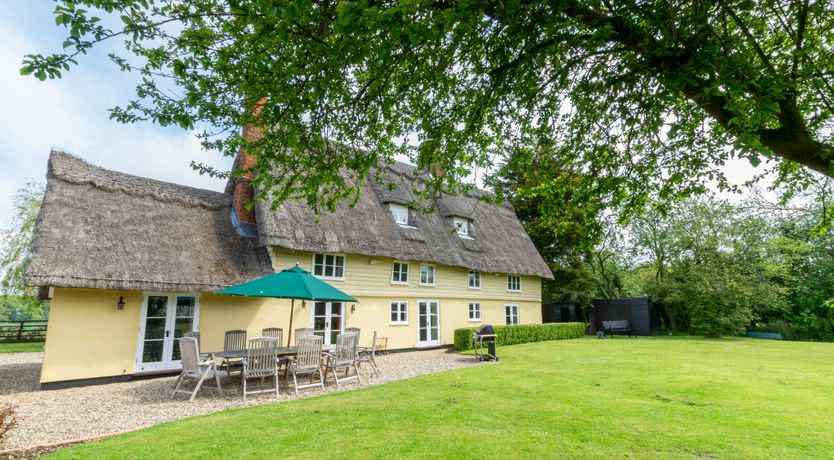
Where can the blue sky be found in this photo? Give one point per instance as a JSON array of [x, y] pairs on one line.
[[71, 114]]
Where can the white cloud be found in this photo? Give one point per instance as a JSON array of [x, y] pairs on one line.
[[71, 113]]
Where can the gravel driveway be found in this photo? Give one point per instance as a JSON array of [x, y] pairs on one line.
[[62, 415]]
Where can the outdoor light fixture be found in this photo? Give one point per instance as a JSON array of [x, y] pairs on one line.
[[303, 304], [121, 304], [353, 308]]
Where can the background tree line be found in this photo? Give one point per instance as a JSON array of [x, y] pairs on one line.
[[714, 267]]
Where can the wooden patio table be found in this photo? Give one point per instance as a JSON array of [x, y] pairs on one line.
[[230, 356]]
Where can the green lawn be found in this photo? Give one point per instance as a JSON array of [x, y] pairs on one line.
[[585, 398], [21, 347]]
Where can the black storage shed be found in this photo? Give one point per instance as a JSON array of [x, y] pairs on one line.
[[559, 312], [642, 313]]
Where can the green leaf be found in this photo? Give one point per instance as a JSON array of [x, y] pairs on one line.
[[26, 70]]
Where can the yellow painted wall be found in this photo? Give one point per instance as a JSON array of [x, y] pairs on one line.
[[373, 314], [220, 313], [88, 337], [371, 276], [368, 279]]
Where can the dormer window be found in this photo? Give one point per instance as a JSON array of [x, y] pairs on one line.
[[400, 213], [461, 226]]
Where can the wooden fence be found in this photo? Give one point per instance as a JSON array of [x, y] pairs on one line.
[[22, 331]]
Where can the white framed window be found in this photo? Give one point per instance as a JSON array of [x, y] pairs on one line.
[[426, 275], [474, 311], [329, 266], [461, 225], [513, 283], [511, 313], [474, 279], [399, 312], [399, 274], [400, 213]]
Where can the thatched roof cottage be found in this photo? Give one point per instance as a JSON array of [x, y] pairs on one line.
[[132, 264]]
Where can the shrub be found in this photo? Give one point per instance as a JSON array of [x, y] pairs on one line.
[[7, 420], [523, 333]]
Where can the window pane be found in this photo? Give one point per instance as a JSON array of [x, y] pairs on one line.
[[185, 306], [152, 351], [328, 260], [339, 272], [183, 325], [318, 265], [157, 306], [155, 328], [175, 354], [404, 273], [328, 270], [393, 315]]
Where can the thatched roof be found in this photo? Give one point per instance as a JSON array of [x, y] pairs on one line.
[[108, 230], [500, 243]]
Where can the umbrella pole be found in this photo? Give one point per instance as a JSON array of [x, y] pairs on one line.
[[289, 334]]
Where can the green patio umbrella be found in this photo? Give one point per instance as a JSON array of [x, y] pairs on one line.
[[290, 283]]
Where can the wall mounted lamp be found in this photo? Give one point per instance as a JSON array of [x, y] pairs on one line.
[[120, 305], [352, 308]]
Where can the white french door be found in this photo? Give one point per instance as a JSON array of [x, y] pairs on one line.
[[428, 323], [165, 318], [328, 320]]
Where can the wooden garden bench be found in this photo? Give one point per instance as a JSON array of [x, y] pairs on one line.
[[622, 325]]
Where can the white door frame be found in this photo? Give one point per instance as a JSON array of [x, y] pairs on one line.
[[328, 312], [429, 343], [168, 342]]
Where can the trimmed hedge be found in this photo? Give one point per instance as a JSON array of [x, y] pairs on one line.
[[523, 333]]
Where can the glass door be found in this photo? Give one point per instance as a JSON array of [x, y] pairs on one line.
[[428, 327], [328, 320], [165, 318]]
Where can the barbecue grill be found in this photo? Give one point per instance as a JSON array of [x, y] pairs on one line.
[[482, 337]]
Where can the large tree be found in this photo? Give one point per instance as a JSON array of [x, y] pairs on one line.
[[15, 244], [640, 99]]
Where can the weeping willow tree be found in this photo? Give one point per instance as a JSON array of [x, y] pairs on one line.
[[18, 300]]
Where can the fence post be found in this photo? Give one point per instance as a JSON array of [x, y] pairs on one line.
[[20, 332]]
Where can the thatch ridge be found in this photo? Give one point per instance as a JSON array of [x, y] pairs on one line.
[[108, 230]]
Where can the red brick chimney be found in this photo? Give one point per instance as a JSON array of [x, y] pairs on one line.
[[244, 193]]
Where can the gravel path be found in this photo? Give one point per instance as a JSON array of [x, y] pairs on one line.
[[62, 415]]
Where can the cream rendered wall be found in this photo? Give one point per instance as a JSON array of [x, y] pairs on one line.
[[88, 337], [369, 280], [220, 313]]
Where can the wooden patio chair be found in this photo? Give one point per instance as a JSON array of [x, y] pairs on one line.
[[368, 355], [275, 332], [234, 340], [307, 361], [354, 330], [195, 369], [344, 357], [196, 335], [261, 362], [302, 332]]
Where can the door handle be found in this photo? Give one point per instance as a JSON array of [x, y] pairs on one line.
[[167, 333]]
